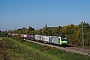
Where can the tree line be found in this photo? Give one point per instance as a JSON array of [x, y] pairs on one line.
[[71, 31]]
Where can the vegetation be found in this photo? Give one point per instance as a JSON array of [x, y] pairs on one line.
[[3, 34], [71, 31], [17, 50]]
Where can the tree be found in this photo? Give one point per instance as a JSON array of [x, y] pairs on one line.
[[31, 30], [47, 31], [55, 31]]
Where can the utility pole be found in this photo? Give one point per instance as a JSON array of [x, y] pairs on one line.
[[82, 38], [37, 33], [60, 32], [83, 34]]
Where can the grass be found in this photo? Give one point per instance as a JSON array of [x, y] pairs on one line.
[[17, 50]]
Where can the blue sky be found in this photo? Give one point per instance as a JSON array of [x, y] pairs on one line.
[[16, 14]]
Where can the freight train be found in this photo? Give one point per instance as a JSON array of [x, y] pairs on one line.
[[58, 40]]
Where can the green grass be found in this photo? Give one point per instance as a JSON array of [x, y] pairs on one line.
[[17, 50]]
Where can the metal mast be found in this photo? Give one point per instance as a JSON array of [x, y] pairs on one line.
[[82, 38]]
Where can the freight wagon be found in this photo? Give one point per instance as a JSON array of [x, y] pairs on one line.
[[38, 37], [31, 37], [45, 39], [24, 36]]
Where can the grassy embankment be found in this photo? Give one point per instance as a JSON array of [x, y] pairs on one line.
[[17, 50]]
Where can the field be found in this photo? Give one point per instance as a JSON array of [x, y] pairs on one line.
[[17, 50]]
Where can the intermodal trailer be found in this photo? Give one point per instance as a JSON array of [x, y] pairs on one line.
[[38, 37], [45, 39]]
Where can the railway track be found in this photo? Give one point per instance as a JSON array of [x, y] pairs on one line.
[[67, 48]]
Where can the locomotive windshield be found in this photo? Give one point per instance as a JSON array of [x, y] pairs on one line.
[[63, 38]]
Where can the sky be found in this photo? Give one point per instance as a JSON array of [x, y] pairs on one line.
[[15, 14]]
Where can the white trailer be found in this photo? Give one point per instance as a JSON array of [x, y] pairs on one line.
[[45, 39]]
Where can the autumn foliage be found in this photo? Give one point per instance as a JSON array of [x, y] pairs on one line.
[[71, 31]]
